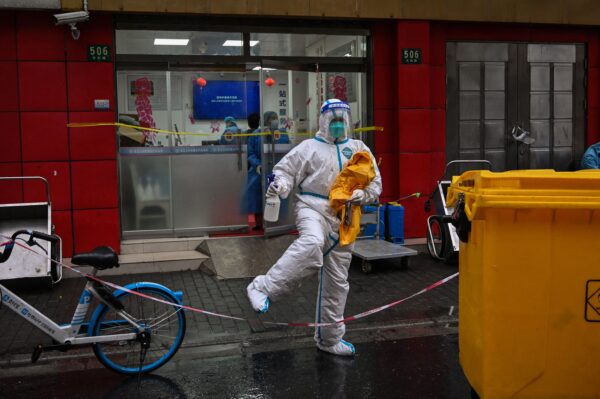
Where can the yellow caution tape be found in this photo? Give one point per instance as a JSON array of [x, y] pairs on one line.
[[163, 131], [368, 129]]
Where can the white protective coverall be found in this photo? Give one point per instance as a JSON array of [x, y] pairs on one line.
[[312, 167]]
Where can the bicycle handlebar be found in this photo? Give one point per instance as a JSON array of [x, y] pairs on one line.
[[32, 234]]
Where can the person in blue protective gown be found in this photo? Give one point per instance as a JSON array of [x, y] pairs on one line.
[[271, 121], [591, 157], [312, 167], [252, 200], [231, 128]]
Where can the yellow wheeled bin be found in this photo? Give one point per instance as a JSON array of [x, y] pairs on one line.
[[529, 284]]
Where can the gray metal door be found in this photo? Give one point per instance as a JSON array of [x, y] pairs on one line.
[[518, 105]]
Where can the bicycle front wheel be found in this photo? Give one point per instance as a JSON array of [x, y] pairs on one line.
[[164, 323]]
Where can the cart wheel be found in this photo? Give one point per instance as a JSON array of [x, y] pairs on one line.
[[474, 394], [404, 263], [366, 267]]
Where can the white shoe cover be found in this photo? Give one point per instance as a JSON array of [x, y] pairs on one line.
[[258, 299], [342, 348]]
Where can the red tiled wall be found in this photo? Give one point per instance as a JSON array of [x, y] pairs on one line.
[[95, 227], [410, 100], [46, 82], [89, 81], [408, 107], [384, 106], [12, 190], [10, 137], [92, 143], [42, 86], [8, 43], [38, 39], [94, 184], [44, 136], [58, 176], [9, 101]]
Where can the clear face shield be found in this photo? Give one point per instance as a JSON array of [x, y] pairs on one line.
[[335, 123]]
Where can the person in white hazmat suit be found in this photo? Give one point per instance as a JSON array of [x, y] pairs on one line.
[[312, 167]]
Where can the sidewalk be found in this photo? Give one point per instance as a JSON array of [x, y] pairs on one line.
[[387, 283]]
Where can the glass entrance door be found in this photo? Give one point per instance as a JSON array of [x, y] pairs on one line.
[[209, 161], [286, 122], [144, 163], [191, 177]]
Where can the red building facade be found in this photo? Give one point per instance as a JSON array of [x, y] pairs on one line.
[[47, 81]]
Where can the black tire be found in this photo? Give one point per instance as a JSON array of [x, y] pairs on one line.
[[440, 248], [404, 263], [366, 267]]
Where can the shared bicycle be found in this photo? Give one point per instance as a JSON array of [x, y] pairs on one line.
[[135, 329]]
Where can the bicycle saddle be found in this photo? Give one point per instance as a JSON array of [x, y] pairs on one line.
[[100, 257]]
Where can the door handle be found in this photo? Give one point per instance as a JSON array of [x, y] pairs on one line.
[[521, 135]]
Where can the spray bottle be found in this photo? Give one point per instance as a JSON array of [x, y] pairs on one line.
[[272, 204]]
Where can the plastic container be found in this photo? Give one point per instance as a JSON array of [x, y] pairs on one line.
[[395, 222], [529, 297], [272, 205]]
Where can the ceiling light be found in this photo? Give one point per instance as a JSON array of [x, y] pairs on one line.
[[238, 43], [257, 68], [347, 55], [171, 42]]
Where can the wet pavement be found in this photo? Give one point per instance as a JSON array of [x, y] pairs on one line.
[[419, 367], [388, 282], [409, 351]]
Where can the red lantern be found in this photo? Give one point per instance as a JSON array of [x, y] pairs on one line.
[[269, 81], [201, 82]]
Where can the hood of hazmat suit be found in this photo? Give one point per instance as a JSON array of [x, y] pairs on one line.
[[357, 174]]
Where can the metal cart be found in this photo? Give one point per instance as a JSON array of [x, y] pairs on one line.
[[442, 240], [31, 216], [370, 247]]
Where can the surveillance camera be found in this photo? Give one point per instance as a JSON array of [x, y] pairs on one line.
[[69, 18]]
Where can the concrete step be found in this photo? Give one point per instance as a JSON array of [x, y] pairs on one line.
[[154, 262], [154, 245]]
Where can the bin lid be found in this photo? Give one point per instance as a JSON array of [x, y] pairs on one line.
[[541, 188]]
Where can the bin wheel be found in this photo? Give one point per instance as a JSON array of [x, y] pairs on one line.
[[452, 258], [366, 267], [439, 243]]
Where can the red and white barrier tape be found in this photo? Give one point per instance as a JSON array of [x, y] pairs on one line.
[[206, 312]]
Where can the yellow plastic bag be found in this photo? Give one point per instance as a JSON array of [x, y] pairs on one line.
[[357, 174]]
